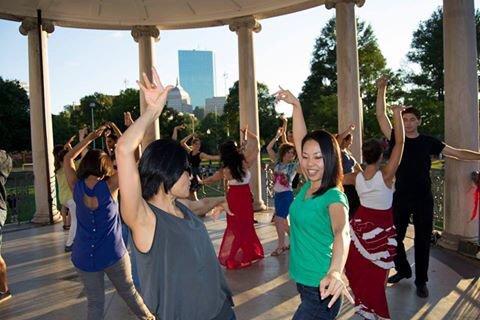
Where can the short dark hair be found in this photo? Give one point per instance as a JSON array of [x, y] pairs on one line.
[[372, 150], [162, 163], [332, 169], [284, 148], [413, 111], [232, 159], [97, 163]]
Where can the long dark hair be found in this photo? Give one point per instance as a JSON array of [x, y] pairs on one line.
[[232, 159], [332, 168], [59, 153]]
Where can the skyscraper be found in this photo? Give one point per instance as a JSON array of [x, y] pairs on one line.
[[196, 75]]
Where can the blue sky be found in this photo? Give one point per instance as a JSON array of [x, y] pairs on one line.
[[85, 61]]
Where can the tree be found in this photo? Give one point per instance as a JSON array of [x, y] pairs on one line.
[[266, 112], [319, 92], [14, 116]]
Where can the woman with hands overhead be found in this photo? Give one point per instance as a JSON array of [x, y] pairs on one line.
[[373, 245], [175, 256], [284, 170], [240, 244], [319, 230], [98, 247]]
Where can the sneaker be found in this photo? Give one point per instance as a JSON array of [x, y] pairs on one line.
[[422, 291], [4, 296], [399, 276], [68, 248]]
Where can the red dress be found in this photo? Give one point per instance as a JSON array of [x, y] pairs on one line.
[[240, 244], [371, 254]]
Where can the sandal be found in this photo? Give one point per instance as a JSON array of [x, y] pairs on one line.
[[278, 252]]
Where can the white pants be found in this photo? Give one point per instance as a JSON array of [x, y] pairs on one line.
[[72, 208]]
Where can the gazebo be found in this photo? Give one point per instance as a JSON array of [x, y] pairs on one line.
[[147, 18]]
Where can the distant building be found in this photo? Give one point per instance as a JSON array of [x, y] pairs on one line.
[[196, 69], [179, 100], [25, 86], [215, 105]]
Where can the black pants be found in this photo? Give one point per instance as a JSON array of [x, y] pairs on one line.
[[353, 200], [421, 207]]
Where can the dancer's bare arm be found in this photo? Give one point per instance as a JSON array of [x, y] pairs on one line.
[[382, 118], [135, 211], [397, 151]]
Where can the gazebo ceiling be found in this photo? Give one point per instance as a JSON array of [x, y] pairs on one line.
[[166, 14]]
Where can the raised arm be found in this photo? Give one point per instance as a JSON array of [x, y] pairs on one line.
[[341, 136], [68, 160], [460, 154], [115, 129], [68, 144], [284, 127], [272, 154], [299, 127], [252, 148], [175, 131], [184, 141], [382, 118], [134, 208], [397, 151]]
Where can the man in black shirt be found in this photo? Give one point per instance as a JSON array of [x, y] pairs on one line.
[[413, 194], [5, 168]]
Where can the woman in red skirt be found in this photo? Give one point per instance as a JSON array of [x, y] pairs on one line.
[[240, 245], [372, 249]]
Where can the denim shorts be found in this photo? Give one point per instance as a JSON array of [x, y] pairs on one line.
[[313, 307], [283, 200]]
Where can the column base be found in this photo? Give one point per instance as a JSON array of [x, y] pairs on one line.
[[259, 206], [456, 242], [43, 218]]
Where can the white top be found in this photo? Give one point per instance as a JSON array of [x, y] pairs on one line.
[[374, 193], [245, 180]]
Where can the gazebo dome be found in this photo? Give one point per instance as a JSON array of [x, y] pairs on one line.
[[165, 14]]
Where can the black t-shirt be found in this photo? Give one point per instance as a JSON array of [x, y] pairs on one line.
[[413, 174]]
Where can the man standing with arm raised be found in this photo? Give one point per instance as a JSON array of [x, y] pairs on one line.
[[413, 194]]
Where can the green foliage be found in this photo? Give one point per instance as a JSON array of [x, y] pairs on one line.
[[14, 116], [319, 92]]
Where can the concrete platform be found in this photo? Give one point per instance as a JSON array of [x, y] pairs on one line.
[[45, 285]]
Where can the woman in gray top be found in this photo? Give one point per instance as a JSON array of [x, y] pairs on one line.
[[180, 277]]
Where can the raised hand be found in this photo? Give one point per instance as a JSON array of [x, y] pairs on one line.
[[286, 96], [382, 82], [97, 133], [127, 119], [352, 127], [154, 92]]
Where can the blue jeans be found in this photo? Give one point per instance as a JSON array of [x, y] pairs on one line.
[[313, 307]]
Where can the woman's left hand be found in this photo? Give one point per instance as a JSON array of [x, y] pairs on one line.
[[333, 285]]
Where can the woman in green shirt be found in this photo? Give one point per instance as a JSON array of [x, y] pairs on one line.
[[318, 222]]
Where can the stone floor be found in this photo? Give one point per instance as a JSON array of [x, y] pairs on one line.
[[45, 286]]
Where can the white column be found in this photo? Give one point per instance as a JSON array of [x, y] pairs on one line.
[[461, 118], [348, 87], [146, 36], [41, 121], [247, 86]]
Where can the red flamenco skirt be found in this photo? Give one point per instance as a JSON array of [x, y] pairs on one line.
[[240, 244], [370, 257]]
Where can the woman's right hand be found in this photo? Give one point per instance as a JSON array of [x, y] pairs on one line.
[[154, 92], [286, 96], [382, 82]]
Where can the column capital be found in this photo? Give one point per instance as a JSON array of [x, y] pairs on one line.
[[145, 31], [248, 22], [329, 4], [29, 24]]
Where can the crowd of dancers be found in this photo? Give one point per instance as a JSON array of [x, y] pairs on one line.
[[345, 225]]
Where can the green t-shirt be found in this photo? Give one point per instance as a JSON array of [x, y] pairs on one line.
[[311, 235]]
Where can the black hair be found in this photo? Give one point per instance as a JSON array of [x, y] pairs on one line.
[[232, 159], [372, 149], [162, 163], [59, 153], [413, 111], [97, 163], [332, 169]]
